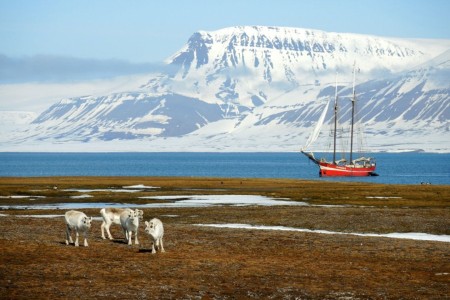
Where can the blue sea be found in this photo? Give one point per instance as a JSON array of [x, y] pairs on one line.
[[393, 168]]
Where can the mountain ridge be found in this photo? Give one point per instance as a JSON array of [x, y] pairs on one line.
[[253, 80]]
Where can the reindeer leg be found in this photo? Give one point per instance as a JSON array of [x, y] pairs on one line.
[[103, 230], [85, 239], [162, 247], [109, 232], [129, 238], [76, 239], [68, 237]]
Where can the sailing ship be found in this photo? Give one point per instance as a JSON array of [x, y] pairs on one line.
[[361, 166]]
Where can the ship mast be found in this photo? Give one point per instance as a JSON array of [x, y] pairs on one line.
[[353, 117], [335, 123]]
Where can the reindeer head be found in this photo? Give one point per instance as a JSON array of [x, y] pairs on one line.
[[133, 217], [87, 221], [139, 213], [149, 227]]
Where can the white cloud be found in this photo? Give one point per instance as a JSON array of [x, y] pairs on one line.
[[57, 69], [36, 97], [36, 82]]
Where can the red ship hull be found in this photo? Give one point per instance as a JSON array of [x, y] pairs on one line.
[[332, 170]]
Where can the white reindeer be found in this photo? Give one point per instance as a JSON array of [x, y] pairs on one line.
[[112, 216], [129, 219], [155, 230], [78, 221]]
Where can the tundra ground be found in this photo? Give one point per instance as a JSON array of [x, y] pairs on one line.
[[218, 263]]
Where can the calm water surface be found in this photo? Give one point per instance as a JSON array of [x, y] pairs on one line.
[[395, 168]]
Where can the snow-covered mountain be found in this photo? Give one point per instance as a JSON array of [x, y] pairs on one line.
[[12, 122], [263, 88]]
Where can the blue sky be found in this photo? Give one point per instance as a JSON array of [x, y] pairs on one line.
[[139, 31]]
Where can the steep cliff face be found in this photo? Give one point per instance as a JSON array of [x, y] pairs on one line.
[[276, 53]]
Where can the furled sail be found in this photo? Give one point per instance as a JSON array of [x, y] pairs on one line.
[[315, 134]]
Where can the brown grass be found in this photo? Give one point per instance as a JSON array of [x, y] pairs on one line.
[[313, 192], [217, 263]]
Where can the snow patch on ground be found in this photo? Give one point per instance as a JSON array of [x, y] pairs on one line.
[[83, 196], [125, 190], [382, 197], [179, 201], [408, 235], [140, 186], [20, 197], [213, 200], [40, 216]]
